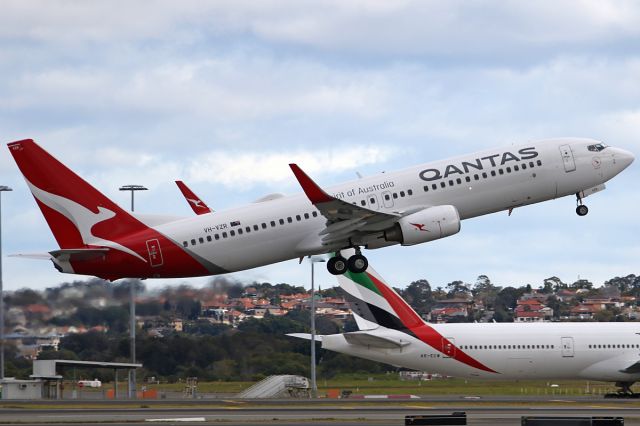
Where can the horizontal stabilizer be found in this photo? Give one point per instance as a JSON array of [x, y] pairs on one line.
[[36, 256], [367, 339], [305, 336], [78, 254]]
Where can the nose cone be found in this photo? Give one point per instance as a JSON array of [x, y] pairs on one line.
[[622, 158]]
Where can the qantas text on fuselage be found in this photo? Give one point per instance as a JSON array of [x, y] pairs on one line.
[[411, 206]]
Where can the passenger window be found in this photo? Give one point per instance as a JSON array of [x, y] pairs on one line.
[[531, 164], [484, 175], [306, 215], [409, 192], [224, 235], [493, 172], [281, 221], [298, 218], [314, 213], [500, 171], [247, 229], [395, 195], [184, 243], [239, 231], [372, 200], [458, 181], [516, 168], [426, 189], [232, 233], [255, 227], [289, 219], [524, 166], [201, 240], [467, 178], [402, 193], [539, 163], [443, 184], [476, 177], [264, 225], [273, 223], [451, 183], [434, 186], [217, 236], [209, 238], [508, 169], [363, 202]]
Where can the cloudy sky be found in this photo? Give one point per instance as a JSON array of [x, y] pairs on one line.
[[224, 94]]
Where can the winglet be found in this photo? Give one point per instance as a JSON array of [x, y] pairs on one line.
[[197, 205], [315, 194]]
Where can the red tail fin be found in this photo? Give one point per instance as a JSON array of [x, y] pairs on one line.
[[197, 205], [77, 213]]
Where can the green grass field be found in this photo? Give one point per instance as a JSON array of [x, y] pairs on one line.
[[390, 384]]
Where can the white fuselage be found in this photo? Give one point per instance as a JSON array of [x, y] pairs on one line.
[[287, 227], [591, 351]]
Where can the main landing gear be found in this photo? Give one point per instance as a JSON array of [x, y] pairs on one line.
[[338, 265], [624, 391], [581, 209]]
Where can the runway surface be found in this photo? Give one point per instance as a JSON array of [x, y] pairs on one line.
[[334, 413]]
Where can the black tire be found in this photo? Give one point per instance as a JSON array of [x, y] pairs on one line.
[[357, 263], [582, 210], [337, 265]]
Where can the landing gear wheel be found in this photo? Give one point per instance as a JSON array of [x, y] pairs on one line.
[[337, 265], [357, 263], [582, 210]]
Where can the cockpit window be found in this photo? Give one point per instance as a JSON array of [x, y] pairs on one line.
[[597, 147]]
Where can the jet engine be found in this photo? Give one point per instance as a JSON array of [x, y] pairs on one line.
[[425, 225]]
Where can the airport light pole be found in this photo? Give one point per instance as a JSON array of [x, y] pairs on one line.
[[314, 384], [132, 304], [2, 189]]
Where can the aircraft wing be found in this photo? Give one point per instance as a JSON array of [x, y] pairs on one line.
[[632, 369], [344, 219]]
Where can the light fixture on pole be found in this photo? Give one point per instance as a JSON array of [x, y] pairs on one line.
[[132, 305], [2, 189], [314, 385]]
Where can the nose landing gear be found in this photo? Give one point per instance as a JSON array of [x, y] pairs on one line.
[[338, 265], [581, 209]]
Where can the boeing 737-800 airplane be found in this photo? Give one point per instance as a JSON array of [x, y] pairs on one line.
[[390, 331], [411, 206]]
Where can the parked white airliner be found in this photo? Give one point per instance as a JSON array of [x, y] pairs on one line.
[[411, 206], [393, 333]]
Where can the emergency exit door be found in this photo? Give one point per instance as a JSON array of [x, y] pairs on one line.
[[566, 345], [449, 347], [155, 254]]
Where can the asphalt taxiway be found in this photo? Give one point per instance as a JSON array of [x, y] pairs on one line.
[[323, 412]]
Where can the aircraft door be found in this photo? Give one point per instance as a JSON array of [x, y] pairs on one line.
[[567, 158], [387, 199], [155, 254], [567, 346], [372, 202], [448, 347]]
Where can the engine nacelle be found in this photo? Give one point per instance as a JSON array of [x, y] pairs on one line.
[[429, 224]]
